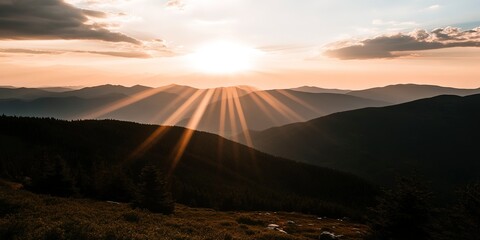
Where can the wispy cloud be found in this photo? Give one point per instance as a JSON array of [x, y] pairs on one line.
[[175, 4], [393, 23], [54, 52], [53, 19], [392, 46], [433, 7]]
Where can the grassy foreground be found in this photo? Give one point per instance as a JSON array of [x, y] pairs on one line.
[[24, 215]]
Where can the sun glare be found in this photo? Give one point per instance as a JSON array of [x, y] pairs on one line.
[[223, 57]]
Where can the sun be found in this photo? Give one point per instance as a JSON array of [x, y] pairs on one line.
[[223, 57]]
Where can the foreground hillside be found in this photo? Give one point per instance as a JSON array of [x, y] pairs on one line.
[[24, 215], [103, 160], [435, 138]]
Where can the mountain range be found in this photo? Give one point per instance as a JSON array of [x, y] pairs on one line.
[[228, 111]]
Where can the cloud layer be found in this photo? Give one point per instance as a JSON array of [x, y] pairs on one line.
[[52, 52], [392, 46], [53, 19]]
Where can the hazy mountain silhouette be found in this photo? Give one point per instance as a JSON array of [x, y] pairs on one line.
[[261, 109], [57, 89], [57, 107], [102, 90], [23, 93], [436, 138], [264, 109], [313, 89], [88, 92], [211, 172], [408, 92]]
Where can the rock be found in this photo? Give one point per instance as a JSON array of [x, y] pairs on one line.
[[327, 236], [281, 230], [290, 222], [272, 226]]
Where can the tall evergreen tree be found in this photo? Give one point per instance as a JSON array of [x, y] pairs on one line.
[[153, 193], [403, 213], [463, 219], [54, 178]]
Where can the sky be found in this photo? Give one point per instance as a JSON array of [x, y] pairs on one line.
[[346, 44]]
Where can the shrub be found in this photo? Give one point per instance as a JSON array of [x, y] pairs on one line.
[[250, 221]]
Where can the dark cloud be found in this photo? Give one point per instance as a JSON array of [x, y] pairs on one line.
[[52, 19], [393, 45], [108, 53]]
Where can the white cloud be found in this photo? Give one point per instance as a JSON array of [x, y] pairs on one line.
[[434, 7]]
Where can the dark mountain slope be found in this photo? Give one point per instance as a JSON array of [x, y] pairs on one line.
[[436, 138], [213, 172]]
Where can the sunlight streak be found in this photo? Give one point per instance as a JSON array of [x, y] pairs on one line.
[[181, 97], [298, 100], [125, 102], [231, 113], [242, 119], [262, 106], [223, 111], [282, 108], [189, 130], [161, 130]]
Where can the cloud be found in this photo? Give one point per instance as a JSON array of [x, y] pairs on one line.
[[53, 52], [434, 7], [175, 4], [393, 23], [53, 19], [392, 46]]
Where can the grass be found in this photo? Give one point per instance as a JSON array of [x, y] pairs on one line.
[[25, 215]]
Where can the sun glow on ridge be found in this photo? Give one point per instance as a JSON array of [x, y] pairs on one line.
[[223, 58]]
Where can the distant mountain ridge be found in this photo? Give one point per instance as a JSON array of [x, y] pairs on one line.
[[229, 110], [313, 89], [259, 109], [401, 93]]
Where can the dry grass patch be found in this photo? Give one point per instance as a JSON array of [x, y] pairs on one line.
[[25, 215]]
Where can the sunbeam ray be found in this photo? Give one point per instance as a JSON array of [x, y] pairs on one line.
[[282, 108], [125, 102], [161, 130], [298, 100], [189, 130], [241, 118]]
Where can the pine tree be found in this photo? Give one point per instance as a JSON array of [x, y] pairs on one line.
[[403, 212], [54, 178], [152, 193]]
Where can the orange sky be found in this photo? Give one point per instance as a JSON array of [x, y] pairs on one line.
[[210, 44]]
